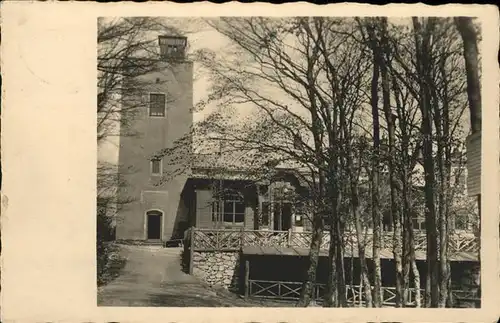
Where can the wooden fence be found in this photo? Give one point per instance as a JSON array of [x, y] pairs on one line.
[[226, 240], [355, 294]]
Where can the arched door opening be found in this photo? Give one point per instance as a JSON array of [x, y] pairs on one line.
[[153, 219]]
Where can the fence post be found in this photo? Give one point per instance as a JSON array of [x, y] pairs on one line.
[[360, 295], [289, 237], [191, 249], [247, 278]]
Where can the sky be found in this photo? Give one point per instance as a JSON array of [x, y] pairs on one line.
[[200, 36]]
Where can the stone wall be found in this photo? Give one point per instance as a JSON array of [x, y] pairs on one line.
[[221, 269]]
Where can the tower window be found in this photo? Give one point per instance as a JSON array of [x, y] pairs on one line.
[[156, 168], [172, 47], [157, 104]]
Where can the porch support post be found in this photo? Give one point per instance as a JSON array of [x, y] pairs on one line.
[[242, 238], [258, 218], [191, 249], [271, 208], [247, 278]]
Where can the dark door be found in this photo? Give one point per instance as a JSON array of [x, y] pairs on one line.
[[282, 216], [276, 217], [154, 225], [286, 216]]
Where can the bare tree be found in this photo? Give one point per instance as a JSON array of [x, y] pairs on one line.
[[435, 83], [307, 82], [375, 162], [423, 31], [311, 73], [470, 37]]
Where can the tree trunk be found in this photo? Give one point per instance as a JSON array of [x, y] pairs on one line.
[[341, 288], [416, 280], [376, 215], [422, 54], [469, 37], [407, 243], [396, 215], [309, 283], [441, 121], [406, 259], [466, 29], [361, 248], [355, 204], [355, 209], [335, 292], [331, 296], [405, 169], [308, 286], [410, 246]]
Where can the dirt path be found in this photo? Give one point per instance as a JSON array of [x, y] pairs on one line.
[[152, 276]]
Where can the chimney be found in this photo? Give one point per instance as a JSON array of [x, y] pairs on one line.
[[172, 47]]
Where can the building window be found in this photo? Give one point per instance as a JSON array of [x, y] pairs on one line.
[[327, 223], [156, 166], [173, 50], [216, 211], [157, 105], [172, 47], [299, 220], [229, 211], [418, 223]]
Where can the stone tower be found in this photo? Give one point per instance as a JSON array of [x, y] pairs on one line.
[[157, 112]]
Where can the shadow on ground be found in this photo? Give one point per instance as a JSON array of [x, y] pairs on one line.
[[185, 300], [146, 276]]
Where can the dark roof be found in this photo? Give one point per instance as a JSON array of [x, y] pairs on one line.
[[238, 165], [225, 161]]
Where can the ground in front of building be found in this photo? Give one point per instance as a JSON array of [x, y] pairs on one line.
[[152, 276]]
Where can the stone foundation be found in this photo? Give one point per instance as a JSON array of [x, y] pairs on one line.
[[221, 269]]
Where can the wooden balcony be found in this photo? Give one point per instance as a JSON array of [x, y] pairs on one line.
[[460, 245]]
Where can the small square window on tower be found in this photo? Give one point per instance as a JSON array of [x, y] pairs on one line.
[[157, 104], [156, 167], [172, 47]]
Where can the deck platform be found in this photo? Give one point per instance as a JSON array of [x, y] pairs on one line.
[[303, 252], [462, 246]]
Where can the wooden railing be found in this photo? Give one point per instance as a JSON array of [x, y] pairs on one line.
[[226, 239], [355, 294]]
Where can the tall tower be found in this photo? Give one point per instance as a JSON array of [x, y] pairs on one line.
[[157, 112]]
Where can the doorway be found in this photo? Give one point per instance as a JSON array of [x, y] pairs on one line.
[[282, 216], [154, 225]]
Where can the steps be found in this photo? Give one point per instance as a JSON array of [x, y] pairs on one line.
[[157, 243]]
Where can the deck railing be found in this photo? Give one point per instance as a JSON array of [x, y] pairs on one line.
[[226, 239], [355, 294]]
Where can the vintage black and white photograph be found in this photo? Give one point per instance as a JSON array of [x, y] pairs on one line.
[[304, 161]]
